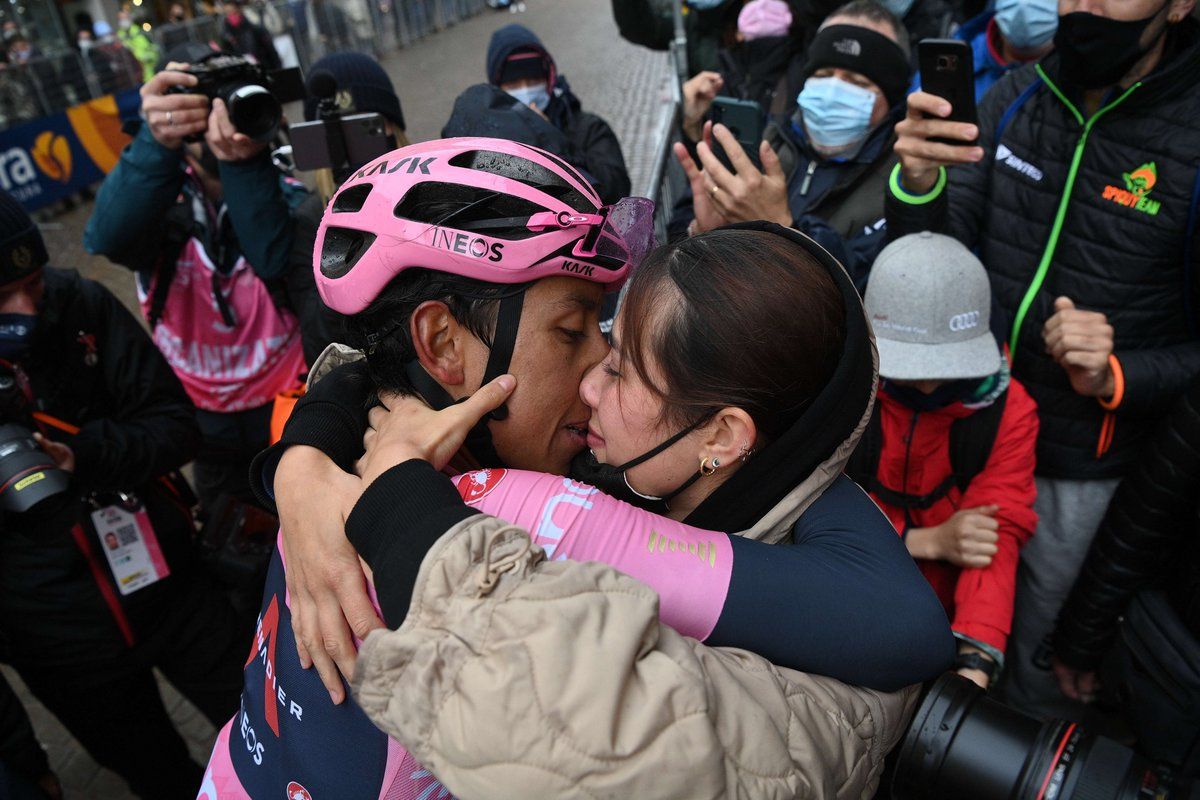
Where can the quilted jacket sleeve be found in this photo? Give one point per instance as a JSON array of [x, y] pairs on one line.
[[514, 676], [1145, 526]]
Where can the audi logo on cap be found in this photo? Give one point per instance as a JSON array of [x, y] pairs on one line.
[[964, 322]]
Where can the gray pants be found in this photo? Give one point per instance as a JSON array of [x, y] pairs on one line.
[[1069, 512]]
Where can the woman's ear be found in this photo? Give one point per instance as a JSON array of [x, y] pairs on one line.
[[729, 436], [438, 341]]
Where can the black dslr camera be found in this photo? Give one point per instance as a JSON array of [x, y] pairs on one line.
[[27, 474], [254, 96]]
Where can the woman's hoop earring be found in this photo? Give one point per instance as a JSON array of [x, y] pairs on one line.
[[705, 468]]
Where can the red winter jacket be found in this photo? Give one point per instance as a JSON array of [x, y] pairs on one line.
[[978, 601]]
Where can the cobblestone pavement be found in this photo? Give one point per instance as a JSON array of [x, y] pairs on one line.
[[624, 84]]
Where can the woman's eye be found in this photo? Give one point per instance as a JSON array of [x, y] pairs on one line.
[[610, 372]]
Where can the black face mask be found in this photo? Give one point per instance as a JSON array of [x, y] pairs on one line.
[[945, 395], [612, 481], [1095, 52]]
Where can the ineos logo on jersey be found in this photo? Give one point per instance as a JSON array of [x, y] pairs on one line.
[[964, 322], [464, 244]]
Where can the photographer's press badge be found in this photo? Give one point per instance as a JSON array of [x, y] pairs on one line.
[[128, 541]]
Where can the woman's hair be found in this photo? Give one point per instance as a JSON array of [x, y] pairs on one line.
[[739, 318]]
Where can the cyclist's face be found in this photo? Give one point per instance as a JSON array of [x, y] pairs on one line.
[[558, 341]]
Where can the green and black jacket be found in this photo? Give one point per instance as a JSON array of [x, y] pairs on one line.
[[1101, 209]]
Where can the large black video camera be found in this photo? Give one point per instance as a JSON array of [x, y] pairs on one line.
[[254, 96], [961, 744]]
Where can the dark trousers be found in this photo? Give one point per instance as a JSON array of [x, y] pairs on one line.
[[115, 710], [230, 443]]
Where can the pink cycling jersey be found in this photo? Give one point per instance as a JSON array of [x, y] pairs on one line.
[[689, 568]]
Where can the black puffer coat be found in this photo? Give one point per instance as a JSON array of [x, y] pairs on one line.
[[1150, 538], [1099, 208]]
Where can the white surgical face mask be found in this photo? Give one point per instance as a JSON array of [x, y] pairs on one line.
[[1027, 24], [837, 114], [538, 96]]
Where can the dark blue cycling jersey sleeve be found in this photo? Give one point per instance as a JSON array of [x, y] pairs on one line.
[[870, 619]]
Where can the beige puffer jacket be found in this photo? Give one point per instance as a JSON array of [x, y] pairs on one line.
[[517, 677]]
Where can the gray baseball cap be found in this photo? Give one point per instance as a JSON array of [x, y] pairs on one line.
[[929, 302]]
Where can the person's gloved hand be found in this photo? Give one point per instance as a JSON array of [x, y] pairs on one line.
[[1081, 342], [699, 91], [920, 158], [1077, 684], [173, 117], [225, 141], [329, 601], [967, 539]]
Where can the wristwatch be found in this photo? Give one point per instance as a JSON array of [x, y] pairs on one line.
[[976, 661]]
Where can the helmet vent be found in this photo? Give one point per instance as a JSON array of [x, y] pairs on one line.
[[352, 199], [341, 249], [527, 172], [456, 205]]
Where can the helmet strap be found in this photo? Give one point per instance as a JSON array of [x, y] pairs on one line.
[[508, 318]]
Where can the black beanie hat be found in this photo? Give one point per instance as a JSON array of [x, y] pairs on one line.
[[864, 51], [21, 247], [370, 88]]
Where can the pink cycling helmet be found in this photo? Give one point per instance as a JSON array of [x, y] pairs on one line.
[[488, 209]]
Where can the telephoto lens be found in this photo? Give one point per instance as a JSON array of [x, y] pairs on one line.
[[253, 110], [27, 474], [962, 744]]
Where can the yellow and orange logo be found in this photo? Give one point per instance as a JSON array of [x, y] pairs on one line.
[[1138, 185], [52, 153]]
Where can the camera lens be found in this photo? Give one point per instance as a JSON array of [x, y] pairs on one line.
[[254, 111], [27, 475], [963, 744]]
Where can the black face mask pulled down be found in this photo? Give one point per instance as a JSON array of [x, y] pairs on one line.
[[1095, 52], [611, 480]]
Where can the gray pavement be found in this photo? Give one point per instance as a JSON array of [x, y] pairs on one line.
[[626, 85]]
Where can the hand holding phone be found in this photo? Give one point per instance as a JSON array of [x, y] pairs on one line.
[[941, 128]]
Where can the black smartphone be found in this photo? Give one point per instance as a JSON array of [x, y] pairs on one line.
[[948, 71], [745, 120], [365, 137]]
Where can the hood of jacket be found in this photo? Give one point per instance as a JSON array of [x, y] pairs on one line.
[[487, 110], [509, 39], [764, 499], [763, 59]]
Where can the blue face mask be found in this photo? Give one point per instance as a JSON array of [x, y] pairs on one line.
[[537, 95], [1027, 24], [898, 7], [837, 115], [16, 335]]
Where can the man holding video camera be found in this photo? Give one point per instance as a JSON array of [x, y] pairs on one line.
[[94, 424], [209, 228], [1078, 188]]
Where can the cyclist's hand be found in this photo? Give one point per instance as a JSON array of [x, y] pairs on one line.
[[921, 158], [405, 428], [329, 601]]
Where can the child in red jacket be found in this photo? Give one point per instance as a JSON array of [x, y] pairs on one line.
[[949, 453]]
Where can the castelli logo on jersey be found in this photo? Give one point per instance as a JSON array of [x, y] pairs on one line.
[[477, 485], [466, 245], [964, 322], [297, 792]]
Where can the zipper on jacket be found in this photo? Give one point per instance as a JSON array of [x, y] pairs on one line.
[[1064, 200], [912, 432], [808, 176]]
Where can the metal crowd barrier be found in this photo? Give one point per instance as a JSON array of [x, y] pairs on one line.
[[45, 86], [305, 30]]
